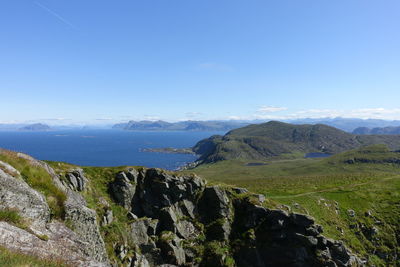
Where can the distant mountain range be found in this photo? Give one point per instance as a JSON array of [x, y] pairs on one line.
[[263, 141], [377, 130], [37, 127], [345, 124], [348, 124], [180, 126]]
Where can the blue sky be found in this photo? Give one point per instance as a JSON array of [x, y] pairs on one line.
[[98, 61]]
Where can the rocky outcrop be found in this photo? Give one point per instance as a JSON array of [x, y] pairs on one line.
[[16, 194], [79, 244], [57, 242], [123, 189], [182, 222], [75, 180], [276, 238], [83, 221]]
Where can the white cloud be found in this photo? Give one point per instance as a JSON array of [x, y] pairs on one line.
[[151, 118], [363, 113], [56, 119], [104, 119], [264, 113], [268, 109]]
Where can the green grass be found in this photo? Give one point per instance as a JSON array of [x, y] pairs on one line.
[[16, 259], [39, 179], [314, 186], [12, 216], [300, 175]]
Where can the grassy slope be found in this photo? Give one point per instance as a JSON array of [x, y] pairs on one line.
[[261, 141], [327, 189], [15, 259]]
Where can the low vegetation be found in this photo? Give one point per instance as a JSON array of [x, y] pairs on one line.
[[16, 259], [12, 216], [354, 195]]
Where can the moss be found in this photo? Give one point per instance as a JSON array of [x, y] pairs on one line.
[[166, 236], [43, 237], [217, 254]]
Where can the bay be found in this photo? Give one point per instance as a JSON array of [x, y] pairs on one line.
[[105, 147]]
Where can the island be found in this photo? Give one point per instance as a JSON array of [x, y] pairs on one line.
[[170, 150], [37, 127]]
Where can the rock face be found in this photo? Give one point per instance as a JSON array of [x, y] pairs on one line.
[[84, 223], [17, 194], [177, 215], [277, 238], [62, 244], [76, 180]]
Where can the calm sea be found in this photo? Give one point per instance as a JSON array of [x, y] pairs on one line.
[[104, 147]]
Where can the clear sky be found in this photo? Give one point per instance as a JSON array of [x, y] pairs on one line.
[[97, 60]]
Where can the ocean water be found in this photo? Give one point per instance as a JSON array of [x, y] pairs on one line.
[[104, 147]]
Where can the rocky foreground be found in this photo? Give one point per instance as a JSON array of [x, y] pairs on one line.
[[172, 220]]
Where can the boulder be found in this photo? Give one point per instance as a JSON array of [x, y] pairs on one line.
[[239, 190], [171, 249], [76, 180], [60, 243], [122, 190], [18, 195], [160, 189], [107, 217], [141, 231], [83, 222]]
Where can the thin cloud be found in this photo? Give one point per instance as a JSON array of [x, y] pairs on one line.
[[151, 118], [58, 16], [363, 113], [56, 119], [264, 113], [193, 114], [104, 119], [269, 109]]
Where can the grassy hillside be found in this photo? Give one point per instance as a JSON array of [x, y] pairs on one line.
[[278, 139], [354, 195]]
